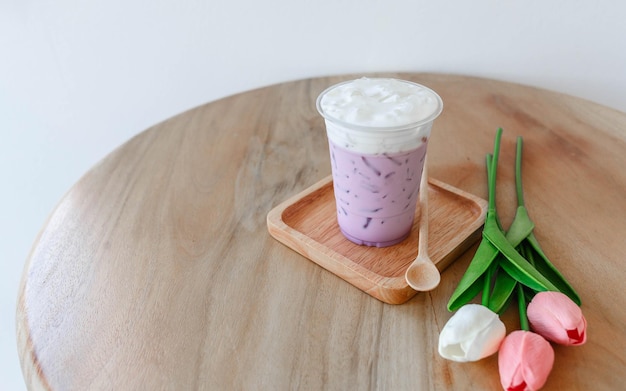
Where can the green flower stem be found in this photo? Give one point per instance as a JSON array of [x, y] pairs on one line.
[[472, 283], [504, 285], [515, 265], [518, 172], [493, 243], [492, 168], [521, 301], [513, 258], [522, 229], [487, 285]]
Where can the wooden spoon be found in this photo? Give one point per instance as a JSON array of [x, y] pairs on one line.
[[423, 275]]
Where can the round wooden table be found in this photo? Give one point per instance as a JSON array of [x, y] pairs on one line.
[[156, 270]]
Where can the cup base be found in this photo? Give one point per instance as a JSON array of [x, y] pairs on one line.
[[361, 242]]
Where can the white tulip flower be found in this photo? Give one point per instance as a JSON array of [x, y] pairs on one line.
[[474, 332]]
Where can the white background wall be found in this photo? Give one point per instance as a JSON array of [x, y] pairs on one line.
[[78, 78]]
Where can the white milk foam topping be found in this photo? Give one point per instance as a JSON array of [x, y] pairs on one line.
[[379, 115]]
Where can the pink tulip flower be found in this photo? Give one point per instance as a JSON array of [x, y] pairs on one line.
[[472, 333], [557, 318], [525, 360]]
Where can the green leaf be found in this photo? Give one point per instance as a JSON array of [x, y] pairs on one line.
[[502, 291], [465, 296], [520, 228], [516, 265], [471, 283], [545, 267]]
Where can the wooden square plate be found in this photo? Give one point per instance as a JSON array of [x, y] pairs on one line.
[[307, 223]]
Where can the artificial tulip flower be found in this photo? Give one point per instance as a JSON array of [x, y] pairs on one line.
[[557, 318], [525, 360], [472, 333]]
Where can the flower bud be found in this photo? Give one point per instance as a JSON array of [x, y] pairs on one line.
[[472, 333], [557, 318], [525, 360]]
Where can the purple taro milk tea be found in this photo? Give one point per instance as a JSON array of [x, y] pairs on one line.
[[378, 131]]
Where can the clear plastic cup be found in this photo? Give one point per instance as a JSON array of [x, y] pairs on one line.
[[378, 131]]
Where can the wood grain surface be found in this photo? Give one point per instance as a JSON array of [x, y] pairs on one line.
[[156, 270]]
